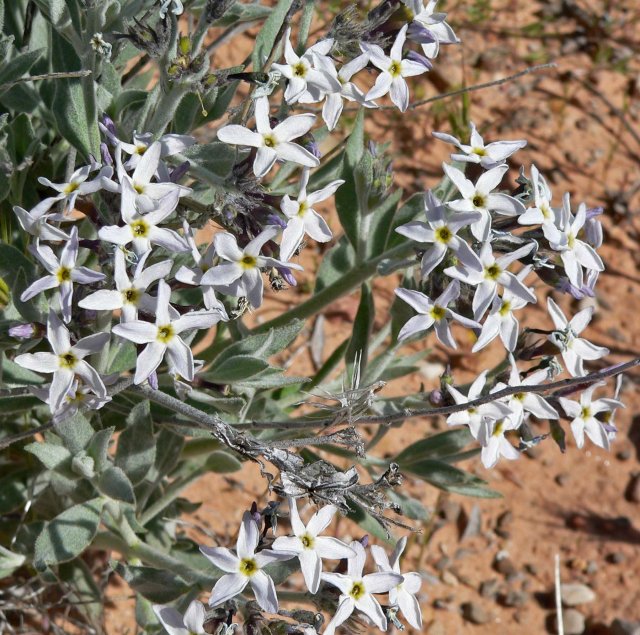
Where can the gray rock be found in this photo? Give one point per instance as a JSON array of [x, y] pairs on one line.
[[572, 620], [516, 598], [577, 594], [490, 588], [622, 627], [475, 613], [632, 492]]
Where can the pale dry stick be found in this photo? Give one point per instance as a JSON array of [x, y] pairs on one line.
[[558, 595], [34, 78], [561, 385]]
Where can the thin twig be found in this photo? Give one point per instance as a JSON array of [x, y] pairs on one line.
[[558, 386], [35, 78], [558, 596]]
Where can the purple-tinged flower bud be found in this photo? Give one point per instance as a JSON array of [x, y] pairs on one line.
[[364, 541], [178, 172], [274, 219], [593, 232], [287, 276], [592, 212], [309, 143], [107, 122], [153, 380], [421, 59], [373, 148], [22, 331], [105, 154], [419, 33], [436, 398]]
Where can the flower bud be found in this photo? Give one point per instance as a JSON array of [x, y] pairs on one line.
[[23, 331], [83, 465]]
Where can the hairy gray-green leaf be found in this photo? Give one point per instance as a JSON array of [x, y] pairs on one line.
[[73, 120], [235, 369], [98, 448], [154, 584], [136, 452], [51, 456], [222, 462], [113, 482], [68, 534], [18, 66], [266, 39], [76, 432]]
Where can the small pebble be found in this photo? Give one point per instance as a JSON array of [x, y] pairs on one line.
[[616, 557], [572, 620], [592, 567], [531, 568], [489, 588], [505, 566], [576, 594], [475, 613], [632, 493], [562, 479], [624, 455], [515, 598], [448, 578], [443, 563], [622, 627]]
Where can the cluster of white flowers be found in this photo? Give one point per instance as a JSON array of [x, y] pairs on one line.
[[246, 567], [484, 273]]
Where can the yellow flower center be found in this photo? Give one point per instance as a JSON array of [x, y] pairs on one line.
[[138, 188], [519, 396], [492, 272], [307, 541], [302, 208], [165, 334], [248, 567], [299, 69], [546, 212], [71, 187], [499, 429], [63, 274], [131, 296], [505, 308], [443, 234], [270, 141], [481, 152], [394, 69], [357, 590], [248, 262], [585, 413], [479, 200], [139, 228], [571, 241], [140, 149], [438, 313], [67, 361]]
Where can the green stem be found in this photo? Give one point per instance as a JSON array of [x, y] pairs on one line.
[[348, 283], [166, 109], [171, 493]]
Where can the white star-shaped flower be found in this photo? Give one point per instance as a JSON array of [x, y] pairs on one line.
[[143, 229], [191, 623], [79, 185], [585, 420], [245, 567], [357, 590], [541, 213], [272, 143], [240, 275], [303, 219], [491, 437], [394, 70], [63, 273], [474, 416], [441, 230], [404, 594], [300, 71], [78, 396], [574, 349], [574, 252], [66, 362], [344, 88], [494, 272], [34, 222], [129, 294], [501, 320], [174, 6], [309, 547], [426, 17], [519, 403], [163, 337], [433, 312], [193, 275], [488, 156], [479, 197]]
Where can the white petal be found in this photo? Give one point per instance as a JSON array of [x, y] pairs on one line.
[[248, 537], [170, 619], [293, 127], [227, 587], [410, 608], [296, 154], [181, 358], [332, 548], [370, 607], [265, 591], [221, 558], [148, 360], [239, 136], [39, 362], [265, 158], [311, 567], [321, 519]]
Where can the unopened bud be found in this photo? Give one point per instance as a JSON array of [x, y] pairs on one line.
[[22, 331]]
